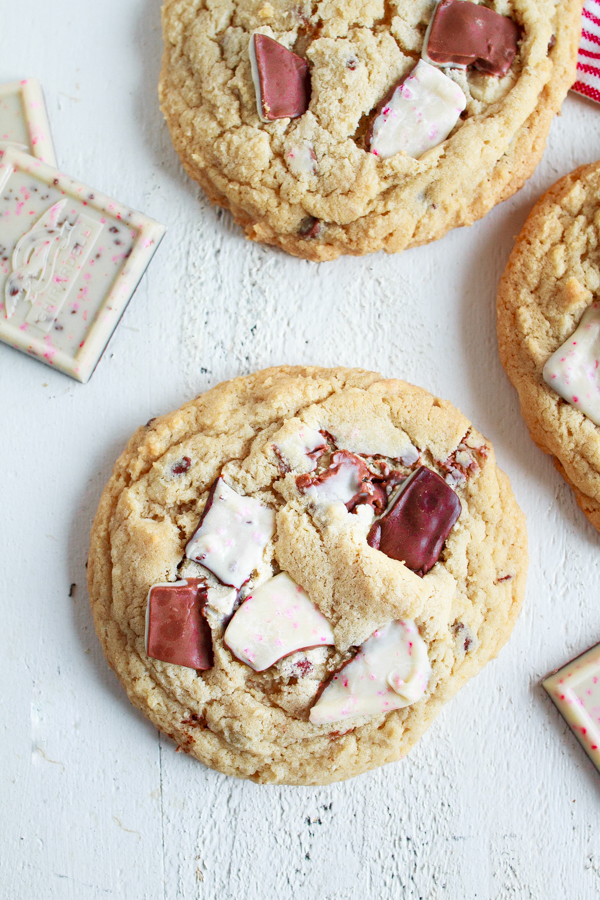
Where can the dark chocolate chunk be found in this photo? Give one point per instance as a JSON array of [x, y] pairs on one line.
[[177, 631], [283, 87], [467, 34], [415, 529]]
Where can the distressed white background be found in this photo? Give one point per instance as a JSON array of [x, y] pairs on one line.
[[497, 800]]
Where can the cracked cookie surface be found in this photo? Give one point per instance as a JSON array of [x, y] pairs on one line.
[[552, 278], [255, 724], [308, 185]]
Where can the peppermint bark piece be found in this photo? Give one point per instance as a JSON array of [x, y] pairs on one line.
[[391, 670], [277, 619], [232, 535], [348, 479], [573, 370], [417, 115]]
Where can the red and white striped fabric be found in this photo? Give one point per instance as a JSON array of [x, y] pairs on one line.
[[588, 58]]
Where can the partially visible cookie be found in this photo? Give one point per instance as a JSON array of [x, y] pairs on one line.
[[356, 166], [549, 327], [247, 580]]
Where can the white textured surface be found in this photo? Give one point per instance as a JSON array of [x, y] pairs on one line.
[[498, 800]]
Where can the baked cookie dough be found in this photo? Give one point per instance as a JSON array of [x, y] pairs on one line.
[[291, 523], [547, 302], [309, 184]]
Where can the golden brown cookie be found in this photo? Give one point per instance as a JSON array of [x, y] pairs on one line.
[[309, 184], [548, 327], [258, 509]]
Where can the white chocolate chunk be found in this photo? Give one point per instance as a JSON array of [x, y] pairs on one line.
[[464, 459], [572, 371], [295, 448], [391, 670], [301, 160], [276, 620], [232, 536], [419, 115], [339, 487]]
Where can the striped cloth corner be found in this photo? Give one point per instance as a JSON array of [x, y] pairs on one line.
[[588, 58]]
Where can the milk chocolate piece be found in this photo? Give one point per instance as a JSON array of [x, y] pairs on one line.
[[575, 690], [176, 630], [465, 33], [415, 529], [71, 260], [281, 79]]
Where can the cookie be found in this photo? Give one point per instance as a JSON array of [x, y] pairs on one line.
[[237, 586], [325, 179], [548, 326]]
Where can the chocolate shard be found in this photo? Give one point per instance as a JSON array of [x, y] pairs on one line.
[[348, 479], [232, 534], [415, 529], [417, 114], [465, 33], [176, 629], [281, 79]]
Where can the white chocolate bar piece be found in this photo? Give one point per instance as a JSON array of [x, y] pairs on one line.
[[575, 690], [233, 533], [573, 370], [24, 121], [277, 619], [391, 670], [70, 260], [420, 114]]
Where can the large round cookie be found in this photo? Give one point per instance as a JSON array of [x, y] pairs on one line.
[[345, 199], [551, 279], [255, 724]]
